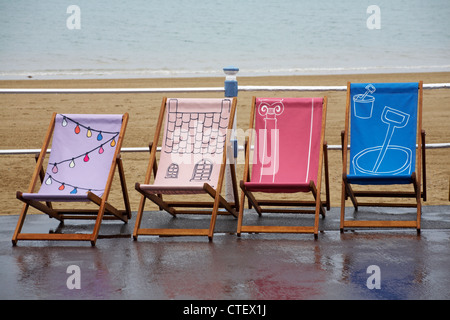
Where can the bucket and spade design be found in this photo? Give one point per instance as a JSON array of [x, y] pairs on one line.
[[388, 158]]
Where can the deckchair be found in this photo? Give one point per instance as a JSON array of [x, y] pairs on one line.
[[384, 124], [289, 155], [192, 162], [85, 151]]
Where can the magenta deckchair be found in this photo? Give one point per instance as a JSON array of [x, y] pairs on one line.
[[289, 151], [192, 162], [85, 151]]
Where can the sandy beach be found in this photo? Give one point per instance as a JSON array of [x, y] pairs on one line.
[[25, 118]]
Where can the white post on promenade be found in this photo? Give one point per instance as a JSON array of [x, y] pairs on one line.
[[231, 91]]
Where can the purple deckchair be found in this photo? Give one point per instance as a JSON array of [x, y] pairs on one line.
[[85, 150]]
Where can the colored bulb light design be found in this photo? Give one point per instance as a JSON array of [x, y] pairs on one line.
[[77, 128]]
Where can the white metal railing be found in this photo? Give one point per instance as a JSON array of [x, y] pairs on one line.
[[185, 90], [241, 148]]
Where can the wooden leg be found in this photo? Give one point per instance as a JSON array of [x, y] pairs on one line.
[[343, 195], [419, 201], [137, 224], [36, 204], [157, 200], [241, 214], [222, 201], [251, 199], [124, 187], [20, 223], [327, 177]]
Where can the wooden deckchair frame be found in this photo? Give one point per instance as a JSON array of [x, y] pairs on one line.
[[418, 179], [172, 206], [315, 190], [105, 212]]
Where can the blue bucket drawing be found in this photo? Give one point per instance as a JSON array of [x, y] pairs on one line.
[[363, 106]]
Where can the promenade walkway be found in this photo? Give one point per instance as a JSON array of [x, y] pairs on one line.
[[252, 267]]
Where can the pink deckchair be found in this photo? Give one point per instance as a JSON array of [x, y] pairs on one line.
[[85, 151], [288, 158], [192, 161]]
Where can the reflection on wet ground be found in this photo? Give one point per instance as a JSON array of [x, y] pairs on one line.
[[254, 266]]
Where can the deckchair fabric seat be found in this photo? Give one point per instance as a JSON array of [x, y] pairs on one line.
[[383, 127], [85, 153], [380, 179], [56, 197], [170, 190], [192, 161], [277, 187], [289, 155]]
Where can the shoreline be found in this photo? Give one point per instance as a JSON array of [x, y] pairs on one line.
[[111, 74], [25, 118], [440, 76]]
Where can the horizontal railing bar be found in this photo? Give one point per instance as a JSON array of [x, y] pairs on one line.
[[324, 88], [111, 90], [199, 89], [146, 149]]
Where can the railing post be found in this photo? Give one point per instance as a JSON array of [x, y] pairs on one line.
[[231, 91], [231, 84]]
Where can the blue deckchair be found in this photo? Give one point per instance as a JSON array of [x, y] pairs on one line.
[[386, 128]]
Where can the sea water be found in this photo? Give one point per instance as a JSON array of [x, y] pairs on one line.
[[173, 38]]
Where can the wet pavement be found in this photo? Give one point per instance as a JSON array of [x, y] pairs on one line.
[[250, 267]]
